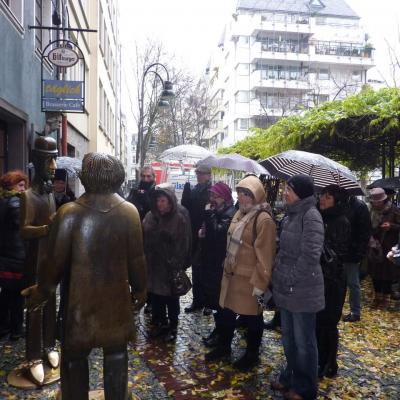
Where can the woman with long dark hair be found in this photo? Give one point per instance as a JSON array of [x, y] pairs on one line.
[[336, 246]]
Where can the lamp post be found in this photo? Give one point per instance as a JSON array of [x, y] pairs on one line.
[[166, 93]]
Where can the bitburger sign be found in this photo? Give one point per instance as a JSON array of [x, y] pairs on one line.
[[63, 57]]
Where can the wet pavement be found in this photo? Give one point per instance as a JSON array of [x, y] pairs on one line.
[[369, 362]]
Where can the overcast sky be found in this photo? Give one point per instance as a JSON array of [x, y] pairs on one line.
[[190, 29]]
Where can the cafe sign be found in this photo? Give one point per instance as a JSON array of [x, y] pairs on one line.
[[63, 57], [58, 93], [63, 96]]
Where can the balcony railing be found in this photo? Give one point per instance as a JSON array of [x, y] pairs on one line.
[[285, 46], [286, 18], [342, 49], [282, 74]]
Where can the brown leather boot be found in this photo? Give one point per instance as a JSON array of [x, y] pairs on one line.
[[377, 300], [385, 302]]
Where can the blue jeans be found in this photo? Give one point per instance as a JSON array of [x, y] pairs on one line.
[[300, 346], [352, 271]]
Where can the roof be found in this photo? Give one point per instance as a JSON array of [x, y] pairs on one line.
[[337, 8]]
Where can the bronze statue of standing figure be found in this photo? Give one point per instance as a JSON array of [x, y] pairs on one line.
[[96, 250], [37, 209]]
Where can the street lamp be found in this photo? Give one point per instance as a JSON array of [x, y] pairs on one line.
[[167, 93]]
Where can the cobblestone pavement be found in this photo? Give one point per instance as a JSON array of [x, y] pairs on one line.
[[369, 362]]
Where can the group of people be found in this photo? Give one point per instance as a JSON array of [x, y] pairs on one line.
[[239, 256]]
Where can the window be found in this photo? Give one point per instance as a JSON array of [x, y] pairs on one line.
[[38, 22], [243, 69], [323, 74], [242, 96], [43, 12], [15, 7], [242, 123]]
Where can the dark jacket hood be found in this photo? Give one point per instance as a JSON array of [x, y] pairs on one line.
[[166, 192]]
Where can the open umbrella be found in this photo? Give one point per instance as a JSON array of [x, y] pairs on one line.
[[235, 162], [72, 165], [323, 170], [386, 183], [187, 153]]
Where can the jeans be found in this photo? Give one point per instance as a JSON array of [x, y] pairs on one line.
[[352, 271], [300, 346]]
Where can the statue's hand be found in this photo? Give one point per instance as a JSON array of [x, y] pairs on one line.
[[34, 298], [139, 299]]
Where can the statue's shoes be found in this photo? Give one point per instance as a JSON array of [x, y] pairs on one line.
[[54, 358], [35, 372]]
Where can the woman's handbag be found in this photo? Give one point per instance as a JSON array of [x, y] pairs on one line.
[[375, 252], [180, 283], [329, 263]]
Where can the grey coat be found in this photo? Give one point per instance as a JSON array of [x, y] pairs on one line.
[[298, 284]]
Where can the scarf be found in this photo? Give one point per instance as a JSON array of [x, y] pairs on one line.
[[376, 215], [234, 240]]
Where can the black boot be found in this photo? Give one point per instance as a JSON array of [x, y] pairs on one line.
[[322, 344], [212, 339], [274, 323], [251, 357], [172, 332], [223, 349], [331, 366]]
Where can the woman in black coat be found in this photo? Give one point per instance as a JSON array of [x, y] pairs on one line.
[[337, 242], [12, 254], [213, 234]]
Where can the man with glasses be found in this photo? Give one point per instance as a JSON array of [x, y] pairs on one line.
[[140, 195], [195, 200]]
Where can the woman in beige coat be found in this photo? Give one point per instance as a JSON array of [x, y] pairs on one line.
[[247, 271]]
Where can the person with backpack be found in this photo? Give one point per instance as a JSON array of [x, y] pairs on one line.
[[247, 272]]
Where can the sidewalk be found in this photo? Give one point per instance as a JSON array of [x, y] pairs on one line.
[[369, 362]]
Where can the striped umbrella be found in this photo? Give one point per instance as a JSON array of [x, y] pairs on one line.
[[323, 170]]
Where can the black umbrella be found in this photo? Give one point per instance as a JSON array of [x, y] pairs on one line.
[[386, 183]]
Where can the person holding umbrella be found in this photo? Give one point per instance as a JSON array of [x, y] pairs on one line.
[[298, 288]]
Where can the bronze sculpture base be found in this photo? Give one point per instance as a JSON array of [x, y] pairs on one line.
[[18, 379], [99, 395]]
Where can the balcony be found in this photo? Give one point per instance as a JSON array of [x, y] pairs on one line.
[[342, 52], [280, 50], [284, 79], [279, 106], [283, 23]]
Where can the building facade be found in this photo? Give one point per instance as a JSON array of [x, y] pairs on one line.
[[20, 85], [276, 58], [99, 127]]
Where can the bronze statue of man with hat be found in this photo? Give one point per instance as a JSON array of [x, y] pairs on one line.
[[37, 209], [96, 251]]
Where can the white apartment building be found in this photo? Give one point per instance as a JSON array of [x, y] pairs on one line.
[[279, 57]]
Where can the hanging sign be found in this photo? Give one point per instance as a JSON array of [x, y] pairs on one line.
[[60, 94], [63, 57]]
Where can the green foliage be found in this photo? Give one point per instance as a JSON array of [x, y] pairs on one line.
[[351, 131]]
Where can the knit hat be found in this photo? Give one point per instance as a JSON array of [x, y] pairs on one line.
[[222, 190], [302, 185], [377, 194]]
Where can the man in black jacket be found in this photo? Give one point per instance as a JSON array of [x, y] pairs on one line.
[[358, 215], [140, 195], [195, 200]]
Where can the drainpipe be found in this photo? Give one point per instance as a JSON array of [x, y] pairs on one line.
[[64, 130]]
